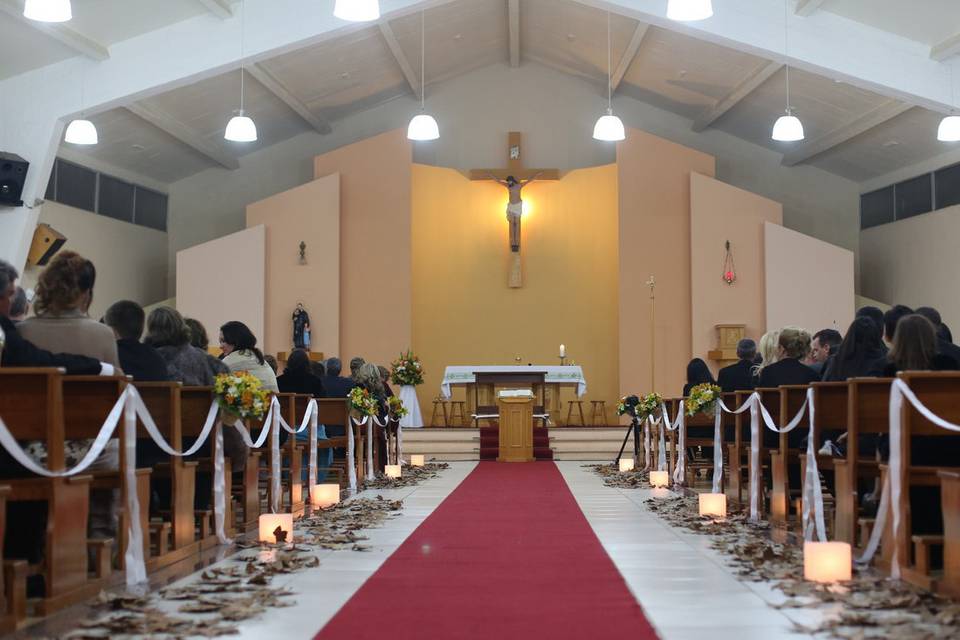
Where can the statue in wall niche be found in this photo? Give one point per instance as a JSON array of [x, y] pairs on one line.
[[301, 328]]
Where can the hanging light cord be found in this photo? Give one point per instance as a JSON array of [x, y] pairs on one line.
[[423, 58], [609, 78], [786, 49], [243, 18]]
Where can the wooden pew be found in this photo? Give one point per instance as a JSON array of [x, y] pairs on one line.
[[868, 414], [323, 445], [769, 441], [940, 392], [335, 411], [176, 540], [13, 588], [291, 486], [830, 415], [950, 504], [788, 453], [739, 449], [194, 407]]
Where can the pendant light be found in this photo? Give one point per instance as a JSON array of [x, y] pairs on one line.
[[788, 127], [47, 10], [689, 10], [423, 127], [609, 128], [357, 10], [81, 131], [949, 129], [241, 128]]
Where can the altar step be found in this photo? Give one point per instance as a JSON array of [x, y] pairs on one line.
[[567, 443]]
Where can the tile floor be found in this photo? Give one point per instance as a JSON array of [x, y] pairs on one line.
[[684, 586]]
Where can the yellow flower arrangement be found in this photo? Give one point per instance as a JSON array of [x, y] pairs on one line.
[[703, 399], [406, 370], [362, 402], [241, 394], [396, 408]]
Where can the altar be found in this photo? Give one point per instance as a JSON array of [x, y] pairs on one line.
[[482, 393]]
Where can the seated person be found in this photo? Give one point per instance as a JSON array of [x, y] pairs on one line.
[[824, 344], [861, 354], [139, 360], [240, 353], [168, 334], [794, 345], [19, 306], [335, 385], [198, 338], [298, 377], [62, 323], [739, 376]]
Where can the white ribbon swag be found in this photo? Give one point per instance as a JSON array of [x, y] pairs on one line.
[[680, 472], [131, 406]]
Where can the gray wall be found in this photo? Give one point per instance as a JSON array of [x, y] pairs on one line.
[[554, 111]]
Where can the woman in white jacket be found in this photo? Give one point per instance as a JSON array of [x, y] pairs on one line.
[[240, 353]]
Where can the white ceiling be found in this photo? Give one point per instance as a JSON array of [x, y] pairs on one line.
[[357, 70]]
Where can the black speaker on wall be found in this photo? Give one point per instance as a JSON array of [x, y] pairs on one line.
[[13, 175]]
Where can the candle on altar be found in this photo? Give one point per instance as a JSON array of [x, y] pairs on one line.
[[713, 504], [659, 479], [276, 528], [827, 561], [325, 495], [563, 351], [416, 460], [626, 464], [392, 470]]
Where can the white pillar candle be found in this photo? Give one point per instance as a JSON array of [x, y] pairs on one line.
[[325, 495], [269, 524], [416, 460], [713, 505], [626, 464], [563, 351], [659, 479], [827, 561], [392, 470]]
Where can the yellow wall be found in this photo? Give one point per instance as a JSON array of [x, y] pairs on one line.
[[463, 311]]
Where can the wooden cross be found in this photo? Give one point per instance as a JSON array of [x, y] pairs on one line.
[[516, 169]]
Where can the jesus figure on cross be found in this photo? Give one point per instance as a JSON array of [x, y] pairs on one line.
[[514, 206]]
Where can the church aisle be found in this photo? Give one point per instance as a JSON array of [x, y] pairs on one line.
[[686, 589], [508, 555]]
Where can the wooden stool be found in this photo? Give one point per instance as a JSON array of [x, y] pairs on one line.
[[579, 404], [441, 404], [458, 413], [598, 413]]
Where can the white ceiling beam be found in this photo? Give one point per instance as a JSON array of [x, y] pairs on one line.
[[824, 43], [60, 32], [277, 88], [513, 17], [807, 7], [946, 49], [873, 118], [173, 127], [749, 84], [219, 8], [401, 58], [638, 35]]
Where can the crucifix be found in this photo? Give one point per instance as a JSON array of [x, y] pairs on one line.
[[514, 178]]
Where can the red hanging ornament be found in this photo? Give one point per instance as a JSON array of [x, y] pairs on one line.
[[729, 271]]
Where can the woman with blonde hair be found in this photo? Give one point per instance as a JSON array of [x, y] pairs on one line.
[[63, 325], [768, 349]]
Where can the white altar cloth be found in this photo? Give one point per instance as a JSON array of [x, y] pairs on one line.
[[569, 374]]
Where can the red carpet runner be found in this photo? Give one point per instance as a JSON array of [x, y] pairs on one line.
[[508, 554]]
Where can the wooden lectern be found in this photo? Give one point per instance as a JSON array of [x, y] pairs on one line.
[[516, 428]]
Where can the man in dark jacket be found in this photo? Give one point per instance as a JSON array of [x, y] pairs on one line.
[[944, 346], [18, 352], [139, 360], [739, 376], [335, 386]]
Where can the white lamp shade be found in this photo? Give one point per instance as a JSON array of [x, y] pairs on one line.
[[423, 127], [391, 470], [609, 128], [48, 10], [81, 132], [659, 479], [827, 561], [241, 129], [626, 464], [788, 128], [689, 10], [416, 460], [324, 495], [357, 10], [713, 505], [949, 130], [272, 524]]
